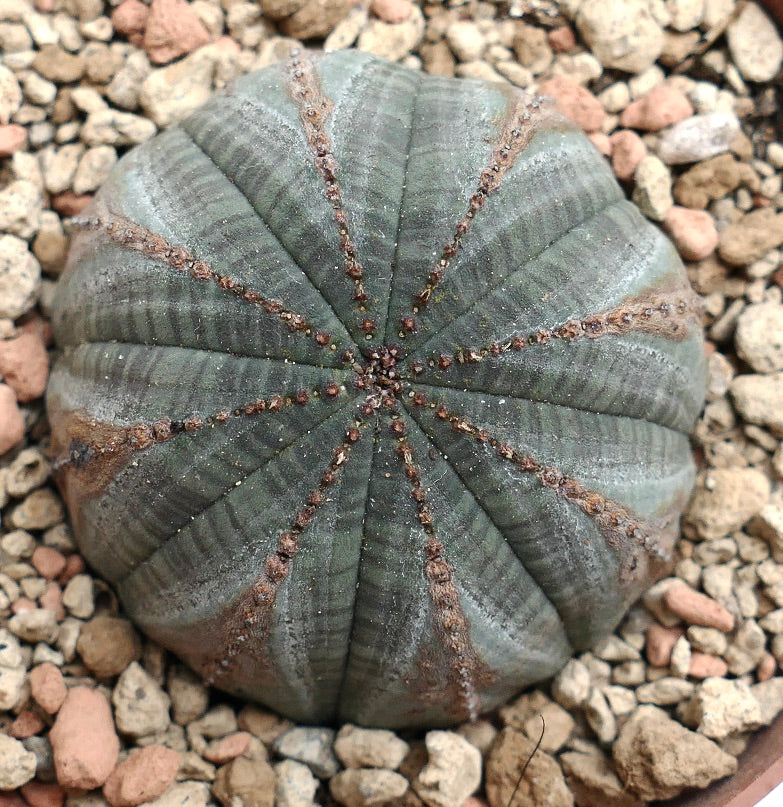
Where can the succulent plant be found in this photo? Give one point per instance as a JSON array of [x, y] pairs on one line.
[[375, 391]]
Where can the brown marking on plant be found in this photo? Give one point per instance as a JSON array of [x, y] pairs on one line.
[[641, 544], [128, 234], [247, 623], [90, 453], [467, 672], [669, 314], [314, 109], [523, 120]]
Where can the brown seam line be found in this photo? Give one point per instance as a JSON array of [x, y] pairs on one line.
[[624, 531], [466, 668], [654, 314], [252, 613], [314, 108], [128, 234], [140, 436], [518, 130]]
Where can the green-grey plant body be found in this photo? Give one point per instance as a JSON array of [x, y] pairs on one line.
[[375, 391]]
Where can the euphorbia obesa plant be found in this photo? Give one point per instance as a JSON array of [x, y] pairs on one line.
[[375, 391]]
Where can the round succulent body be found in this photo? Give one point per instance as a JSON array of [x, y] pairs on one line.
[[375, 391]]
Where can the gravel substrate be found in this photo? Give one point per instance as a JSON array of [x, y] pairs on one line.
[[681, 97]]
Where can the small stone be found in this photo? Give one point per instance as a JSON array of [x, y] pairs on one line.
[[172, 30], [652, 191], [295, 785], [141, 707], [26, 724], [712, 179], [685, 14], [628, 150], [34, 625], [768, 526], [531, 711], [48, 562], [40, 509], [108, 645], [751, 237], [84, 742], [189, 695], [657, 758], [759, 336], [696, 608], [514, 755], [12, 670], [681, 657], [693, 232], [562, 39], [12, 138], [393, 11], [716, 550], [312, 746], [452, 772], [181, 794], [10, 95], [358, 747], [575, 102], [262, 724], [357, 787], [757, 398], [78, 596], [40, 794], [665, 691], [480, 733], [315, 19], [169, 94], [47, 687], [698, 138], [465, 40], [622, 701], [123, 90], [571, 686], [623, 34], [532, 48], [146, 774], [51, 244], [703, 665], [20, 277], [59, 165], [56, 64], [12, 426], [28, 471], [20, 208], [392, 40], [769, 694], [660, 643], [600, 717], [727, 498], [17, 764], [217, 722], [593, 780], [93, 168], [754, 44], [129, 19], [616, 97], [227, 748], [723, 707], [708, 640], [747, 648], [660, 107], [249, 782], [766, 669]]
